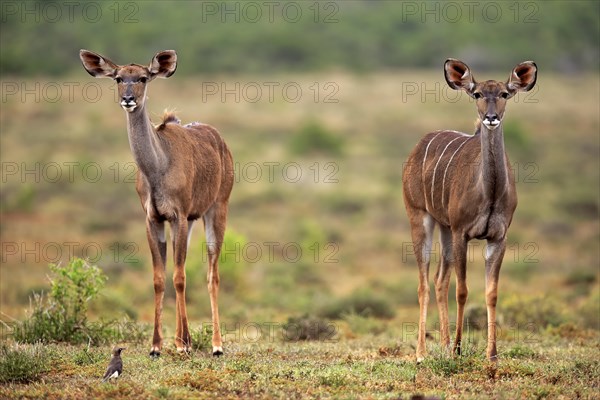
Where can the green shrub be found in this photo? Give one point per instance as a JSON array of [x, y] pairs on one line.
[[314, 138], [22, 365], [399, 291], [534, 311], [362, 302], [580, 281], [315, 248], [62, 315], [476, 316], [25, 198], [202, 337], [361, 325], [580, 277], [520, 351], [72, 288], [308, 327], [519, 271], [231, 268], [311, 233], [343, 204]]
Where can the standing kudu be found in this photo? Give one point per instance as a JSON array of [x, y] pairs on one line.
[[464, 185], [184, 173]]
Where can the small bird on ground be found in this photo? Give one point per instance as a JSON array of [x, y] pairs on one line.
[[115, 367]]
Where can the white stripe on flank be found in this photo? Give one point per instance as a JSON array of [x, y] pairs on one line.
[[460, 133], [435, 169], [423, 166], [447, 166]]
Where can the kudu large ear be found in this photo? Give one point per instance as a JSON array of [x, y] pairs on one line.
[[164, 64], [97, 65], [458, 75], [523, 77]]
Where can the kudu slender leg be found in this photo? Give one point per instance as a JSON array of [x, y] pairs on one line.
[[459, 258], [422, 235], [214, 224], [180, 245], [442, 282], [158, 248], [494, 255]]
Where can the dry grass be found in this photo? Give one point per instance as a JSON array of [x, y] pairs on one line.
[[366, 367]]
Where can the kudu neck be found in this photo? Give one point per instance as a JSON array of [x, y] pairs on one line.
[[493, 169], [145, 145]]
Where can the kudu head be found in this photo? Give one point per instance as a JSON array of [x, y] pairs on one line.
[[490, 96], [131, 79]]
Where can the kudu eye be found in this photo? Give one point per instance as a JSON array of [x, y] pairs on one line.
[[477, 95], [118, 79], [504, 95], [143, 79]]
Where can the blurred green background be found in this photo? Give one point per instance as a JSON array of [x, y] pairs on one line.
[[263, 37], [320, 102]]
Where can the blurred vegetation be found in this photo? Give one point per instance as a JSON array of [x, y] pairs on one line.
[[313, 138], [255, 37], [308, 327], [363, 302], [532, 311], [364, 324], [336, 242], [232, 266]]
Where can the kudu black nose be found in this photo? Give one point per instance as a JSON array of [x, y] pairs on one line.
[[491, 117], [128, 99]]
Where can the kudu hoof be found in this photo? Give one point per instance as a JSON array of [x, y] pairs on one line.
[[154, 353], [217, 351]]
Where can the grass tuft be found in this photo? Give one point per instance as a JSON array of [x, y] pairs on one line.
[[520, 351], [442, 362], [22, 364], [202, 337]]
